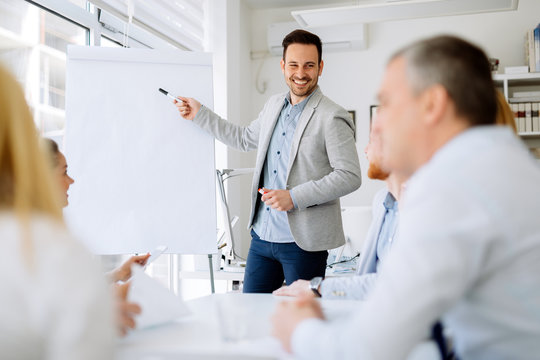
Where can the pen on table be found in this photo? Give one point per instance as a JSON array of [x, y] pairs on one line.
[[166, 93], [222, 246]]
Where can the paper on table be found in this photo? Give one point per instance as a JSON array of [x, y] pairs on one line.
[[158, 304]]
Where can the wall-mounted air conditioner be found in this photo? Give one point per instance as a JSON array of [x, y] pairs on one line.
[[334, 38]]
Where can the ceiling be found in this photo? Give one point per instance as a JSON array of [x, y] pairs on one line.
[[272, 4]]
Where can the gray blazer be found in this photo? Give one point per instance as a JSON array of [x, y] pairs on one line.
[[358, 287], [323, 164]]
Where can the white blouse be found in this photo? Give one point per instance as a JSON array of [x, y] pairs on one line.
[[54, 302]]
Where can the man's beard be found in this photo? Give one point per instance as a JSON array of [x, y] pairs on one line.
[[376, 173]]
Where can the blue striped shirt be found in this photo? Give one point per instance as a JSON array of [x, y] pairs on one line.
[[273, 225]]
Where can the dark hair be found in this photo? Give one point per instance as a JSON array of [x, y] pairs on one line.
[[462, 68], [302, 37], [52, 150]]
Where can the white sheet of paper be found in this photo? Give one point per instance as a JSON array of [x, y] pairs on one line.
[[145, 177], [158, 304]]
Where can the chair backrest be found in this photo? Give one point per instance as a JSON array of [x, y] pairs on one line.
[[356, 222]]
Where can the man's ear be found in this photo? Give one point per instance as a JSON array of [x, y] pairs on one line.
[[282, 63], [435, 101], [321, 65]]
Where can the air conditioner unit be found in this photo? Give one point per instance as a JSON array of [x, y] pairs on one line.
[[334, 38]]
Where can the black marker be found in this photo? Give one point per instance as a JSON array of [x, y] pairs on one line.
[[166, 93]]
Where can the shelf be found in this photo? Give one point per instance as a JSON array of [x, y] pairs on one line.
[[516, 80], [530, 135], [524, 76]]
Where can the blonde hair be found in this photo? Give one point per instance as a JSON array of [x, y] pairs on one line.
[[505, 115], [26, 183]]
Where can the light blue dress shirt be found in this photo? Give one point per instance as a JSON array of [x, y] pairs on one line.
[[273, 225], [388, 228]]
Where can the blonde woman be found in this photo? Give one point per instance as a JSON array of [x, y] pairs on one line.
[[54, 301]]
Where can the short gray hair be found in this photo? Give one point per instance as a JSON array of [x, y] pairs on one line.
[[460, 67]]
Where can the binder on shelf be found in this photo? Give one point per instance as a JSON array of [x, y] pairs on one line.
[[522, 69], [535, 117], [521, 117], [529, 50], [528, 117], [537, 47], [515, 109]]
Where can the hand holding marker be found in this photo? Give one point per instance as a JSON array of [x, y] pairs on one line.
[[262, 192], [187, 107]]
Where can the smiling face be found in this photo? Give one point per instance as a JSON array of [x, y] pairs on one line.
[[63, 178], [301, 70]]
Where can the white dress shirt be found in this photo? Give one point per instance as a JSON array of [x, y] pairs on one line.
[[469, 253], [54, 302]]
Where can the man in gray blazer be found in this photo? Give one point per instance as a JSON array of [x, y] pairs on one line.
[[306, 161], [382, 234]]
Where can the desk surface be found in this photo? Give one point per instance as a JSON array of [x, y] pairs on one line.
[[218, 275], [198, 335]]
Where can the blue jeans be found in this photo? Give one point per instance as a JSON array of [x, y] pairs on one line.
[[268, 264]]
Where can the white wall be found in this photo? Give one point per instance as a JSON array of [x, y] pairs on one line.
[[351, 78], [240, 112], [230, 29]]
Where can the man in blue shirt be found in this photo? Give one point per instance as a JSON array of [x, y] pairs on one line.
[[306, 161], [381, 235]]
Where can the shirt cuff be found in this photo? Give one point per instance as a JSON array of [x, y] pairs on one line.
[[292, 198], [303, 343]]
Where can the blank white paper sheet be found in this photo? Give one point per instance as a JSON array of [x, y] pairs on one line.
[[143, 175]]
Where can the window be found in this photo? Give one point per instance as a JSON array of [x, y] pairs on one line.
[[34, 37], [33, 44], [106, 42]]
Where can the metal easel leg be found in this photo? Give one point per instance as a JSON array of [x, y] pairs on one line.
[[211, 267]]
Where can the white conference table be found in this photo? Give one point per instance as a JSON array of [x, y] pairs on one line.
[[198, 335]]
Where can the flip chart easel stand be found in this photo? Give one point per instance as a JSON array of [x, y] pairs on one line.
[[221, 176]]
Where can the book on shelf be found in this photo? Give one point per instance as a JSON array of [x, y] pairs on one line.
[[537, 47], [528, 117], [529, 50], [521, 117], [516, 69], [515, 110], [532, 49], [535, 117]]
